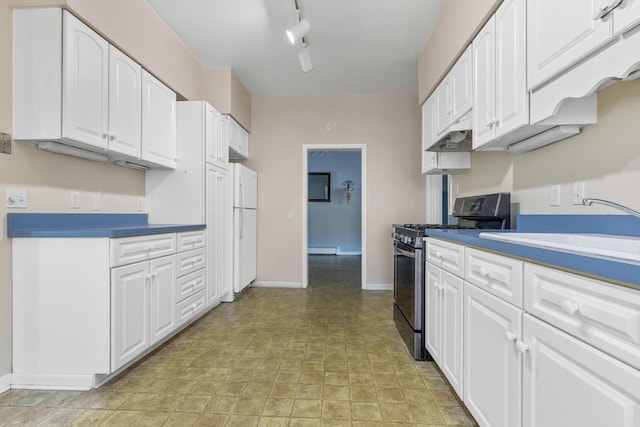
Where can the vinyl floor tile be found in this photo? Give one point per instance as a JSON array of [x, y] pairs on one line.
[[328, 355]]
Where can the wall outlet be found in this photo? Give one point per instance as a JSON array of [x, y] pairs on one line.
[[554, 195], [15, 198], [140, 203], [579, 192], [74, 200]]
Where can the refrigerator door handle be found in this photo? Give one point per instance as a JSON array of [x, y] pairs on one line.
[[241, 222], [241, 194]]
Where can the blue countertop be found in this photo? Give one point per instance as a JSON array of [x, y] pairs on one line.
[[88, 225], [608, 269]]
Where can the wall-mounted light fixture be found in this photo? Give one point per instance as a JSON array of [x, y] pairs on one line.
[[299, 32], [348, 189]]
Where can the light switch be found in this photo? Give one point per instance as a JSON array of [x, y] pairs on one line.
[[74, 200], [96, 201]]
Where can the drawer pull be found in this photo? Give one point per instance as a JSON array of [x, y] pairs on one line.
[[509, 336], [570, 307], [439, 255], [522, 347], [484, 272]]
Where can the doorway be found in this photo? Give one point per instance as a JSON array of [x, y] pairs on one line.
[[347, 190]]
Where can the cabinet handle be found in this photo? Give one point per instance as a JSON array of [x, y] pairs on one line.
[[570, 307], [522, 347], [112, 137], [439, 255], [104, 135], [509, 336], [484, 272]]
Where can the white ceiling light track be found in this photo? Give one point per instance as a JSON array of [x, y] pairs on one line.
[[299, 32]]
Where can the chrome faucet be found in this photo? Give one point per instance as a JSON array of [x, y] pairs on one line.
[[589, 202]]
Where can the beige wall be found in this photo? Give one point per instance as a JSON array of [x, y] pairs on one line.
[[605, 155], [389, 125], [228, 95], [458, 24]]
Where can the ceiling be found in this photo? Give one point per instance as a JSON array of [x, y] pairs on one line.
[[356, 46]]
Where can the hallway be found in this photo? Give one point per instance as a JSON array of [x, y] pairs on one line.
[[326, 355]]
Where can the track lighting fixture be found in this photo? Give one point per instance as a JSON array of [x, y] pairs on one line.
[[298, 31], [305, 59]]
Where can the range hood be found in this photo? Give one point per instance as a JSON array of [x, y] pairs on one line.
[[456, 138]]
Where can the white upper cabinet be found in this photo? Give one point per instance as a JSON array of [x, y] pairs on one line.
[[158, 122], [71, 86], [453, 96], [85, 83], [125, 96], [500, 94], [238, 140], [461, 76], [561, 33], [626, 16]]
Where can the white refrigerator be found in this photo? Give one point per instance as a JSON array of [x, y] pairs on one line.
[[245, 203]]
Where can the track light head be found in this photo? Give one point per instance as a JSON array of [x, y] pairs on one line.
[[298, 31], [305, 59]]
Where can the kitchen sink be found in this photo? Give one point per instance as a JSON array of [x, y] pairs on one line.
[[608, 245]]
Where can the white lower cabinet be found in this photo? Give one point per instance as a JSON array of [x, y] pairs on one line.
[[570, 383], [143, 307], [84, 308], [443, 323], [492, 364], [576, 370]]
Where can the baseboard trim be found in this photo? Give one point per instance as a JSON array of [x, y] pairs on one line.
[[5, 383], [270, 284], [379, 287], [348, 253], [331, 250], [53, 381]]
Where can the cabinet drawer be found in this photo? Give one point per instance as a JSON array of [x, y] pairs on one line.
[[448, 256], [190, 307], [602, 314], [128, 250], [496, 274], [190, 240], [190, 284], [190, 261]]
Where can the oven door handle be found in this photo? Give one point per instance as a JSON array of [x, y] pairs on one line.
[[406, 253]]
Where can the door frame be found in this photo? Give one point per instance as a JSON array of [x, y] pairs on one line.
[[306, 148]]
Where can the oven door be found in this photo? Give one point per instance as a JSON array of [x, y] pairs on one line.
[[408, 283]]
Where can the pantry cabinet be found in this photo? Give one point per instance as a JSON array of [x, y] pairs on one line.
[[219, 229], [500, 97]]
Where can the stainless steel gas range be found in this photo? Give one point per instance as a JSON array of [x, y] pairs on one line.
[[489, 211]]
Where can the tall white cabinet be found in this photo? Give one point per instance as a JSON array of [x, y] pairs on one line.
[[202, 168]]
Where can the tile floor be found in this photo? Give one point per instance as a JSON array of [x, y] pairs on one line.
[[325, 356]]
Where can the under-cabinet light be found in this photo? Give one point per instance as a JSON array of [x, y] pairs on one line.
[[130, 165], [69, 150], [547, 137]]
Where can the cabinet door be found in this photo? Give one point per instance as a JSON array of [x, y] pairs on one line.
[[484, 85], [129, 313], [162, 295], [433, 308], [125, 96], [428, 129], [452, 306], [570, 383], [211, 134], [512, 98], [555, 42], [224, 242], [213, 197], [158, 122], [492, 364], [443, 106], [461, 77], [85, 77], [626, 16], [429, 161]]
